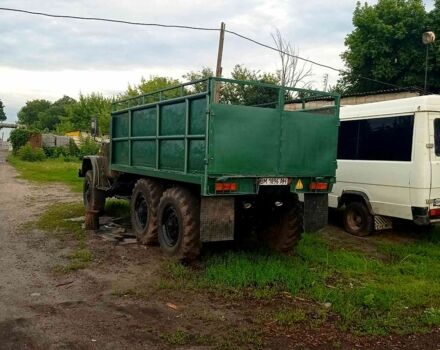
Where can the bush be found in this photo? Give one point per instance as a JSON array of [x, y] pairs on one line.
[[19, 138], [70, 151], [29, 154], [88, 147]]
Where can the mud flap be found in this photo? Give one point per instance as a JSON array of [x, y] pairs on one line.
[[382, 222], [217, 217], [315, 211]]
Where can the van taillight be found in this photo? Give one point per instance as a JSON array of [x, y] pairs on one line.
[[434, 212]]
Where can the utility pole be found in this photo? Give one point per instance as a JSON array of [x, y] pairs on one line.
[[218, 70], [428, 38]]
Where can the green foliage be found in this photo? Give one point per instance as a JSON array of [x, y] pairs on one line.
[[2, 112], [206, 72], [250, 95], [68, 152], [80, 114], [29, 114], [18, 138], [50, 118], [51, 170], [386, 45], [28, 154], [88, 147], [153, 84]]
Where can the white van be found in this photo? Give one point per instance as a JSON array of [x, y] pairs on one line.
[[388, 163]]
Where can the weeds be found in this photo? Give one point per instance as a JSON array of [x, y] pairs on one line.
[[399, 294], [49, 171], [55, 220]]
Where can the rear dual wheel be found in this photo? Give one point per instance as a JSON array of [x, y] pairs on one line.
[[169, 217], [282, 229], [143, 210], [179, 224]]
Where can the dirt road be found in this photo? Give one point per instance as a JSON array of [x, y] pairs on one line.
[[39, 310], [118, 302]]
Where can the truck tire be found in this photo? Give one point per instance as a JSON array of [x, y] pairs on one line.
[[93, 198], [179, 224], [283, 230], [357, 219], [144, 205]]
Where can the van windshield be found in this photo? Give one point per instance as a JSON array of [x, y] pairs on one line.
[[437, 136]]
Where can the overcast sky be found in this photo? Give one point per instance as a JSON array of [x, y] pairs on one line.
[[47, 58]]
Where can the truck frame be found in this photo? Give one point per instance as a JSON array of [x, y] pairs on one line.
[[198, 168]]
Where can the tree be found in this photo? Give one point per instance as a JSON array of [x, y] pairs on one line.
[[250, 95], [28, 115], [206, 72], [50, 118], [385, 45], [153, 84], [292, 73], [2, 112], [80, 114], [434, 50]]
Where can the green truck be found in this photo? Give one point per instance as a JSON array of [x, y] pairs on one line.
[[218, 159]]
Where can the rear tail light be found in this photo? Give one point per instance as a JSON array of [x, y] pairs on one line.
[[225, 187], [434, 212], [318, 186]]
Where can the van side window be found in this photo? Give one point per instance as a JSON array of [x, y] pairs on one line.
[[437, 136], [377, 139]]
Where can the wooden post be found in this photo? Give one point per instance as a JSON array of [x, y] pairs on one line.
[[218, 70], [92, 220]]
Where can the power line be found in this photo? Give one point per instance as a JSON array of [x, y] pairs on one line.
[[106, 20], [100, 19]]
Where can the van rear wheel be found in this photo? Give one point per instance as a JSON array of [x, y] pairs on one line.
[[357, 219]]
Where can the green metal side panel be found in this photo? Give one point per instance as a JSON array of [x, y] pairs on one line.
[[244, 140], [163, 138], [308, 144], [252, 141], [143, 122]]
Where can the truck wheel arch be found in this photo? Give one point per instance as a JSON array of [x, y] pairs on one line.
[[355, 196], [97, 165], [86, 166]]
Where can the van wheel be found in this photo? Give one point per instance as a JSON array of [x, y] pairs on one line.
[[357, 219], [283, 229], [179, 224], [93, 198], [144, 205]]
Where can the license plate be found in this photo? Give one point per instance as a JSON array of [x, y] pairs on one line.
[[273, 181]]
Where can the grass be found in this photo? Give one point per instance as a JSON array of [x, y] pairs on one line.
[[55, 221], [48, 171], [397, 294]]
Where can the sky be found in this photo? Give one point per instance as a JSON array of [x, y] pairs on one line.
[[47, 58]]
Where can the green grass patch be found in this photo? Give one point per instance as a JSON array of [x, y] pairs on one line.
[[290, 317], [117, 208], [49, 170], [399, 294], [55, 221]]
